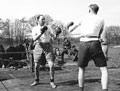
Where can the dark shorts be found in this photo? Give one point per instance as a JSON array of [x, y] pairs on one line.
[[91, 50]]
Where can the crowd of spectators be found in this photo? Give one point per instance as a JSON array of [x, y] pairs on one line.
[[11, 54]]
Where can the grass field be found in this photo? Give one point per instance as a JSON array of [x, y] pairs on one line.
[[65, 78]]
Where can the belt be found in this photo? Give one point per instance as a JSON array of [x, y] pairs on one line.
[[87, 36]]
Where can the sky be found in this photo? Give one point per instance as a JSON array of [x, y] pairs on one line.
[[63, 10]]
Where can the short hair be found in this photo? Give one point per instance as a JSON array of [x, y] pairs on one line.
[[94, 7], [38, 17]]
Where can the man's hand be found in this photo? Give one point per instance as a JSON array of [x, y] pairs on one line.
[[57, 33]]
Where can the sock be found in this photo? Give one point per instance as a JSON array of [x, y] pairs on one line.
[[51, 80]]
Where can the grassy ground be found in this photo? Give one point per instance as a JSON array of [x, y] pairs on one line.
[[66, 78]]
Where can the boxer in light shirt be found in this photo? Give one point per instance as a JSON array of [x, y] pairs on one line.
[[92, 32], [42, 36]]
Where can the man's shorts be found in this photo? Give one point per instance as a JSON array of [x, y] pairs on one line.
[[43, 47], [91, 50]]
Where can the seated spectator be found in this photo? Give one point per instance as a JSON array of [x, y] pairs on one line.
[[66, 48], [74, 53], [58, 57]]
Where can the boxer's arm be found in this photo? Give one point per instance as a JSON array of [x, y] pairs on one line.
[[42, 30], [75, 27]]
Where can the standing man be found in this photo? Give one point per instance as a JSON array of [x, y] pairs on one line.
[[66, 48], [42, 35], [92, 27], [74, 53]]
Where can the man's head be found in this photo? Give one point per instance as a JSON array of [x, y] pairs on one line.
[[57, 51], [58, 30], [93, 8], [65, 39], [41, 20]]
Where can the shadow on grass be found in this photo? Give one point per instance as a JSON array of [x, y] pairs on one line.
[[71, 82], [74, 82], [118, 84], [3, 79], [55, 68], [6, 78], [92, 80]]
